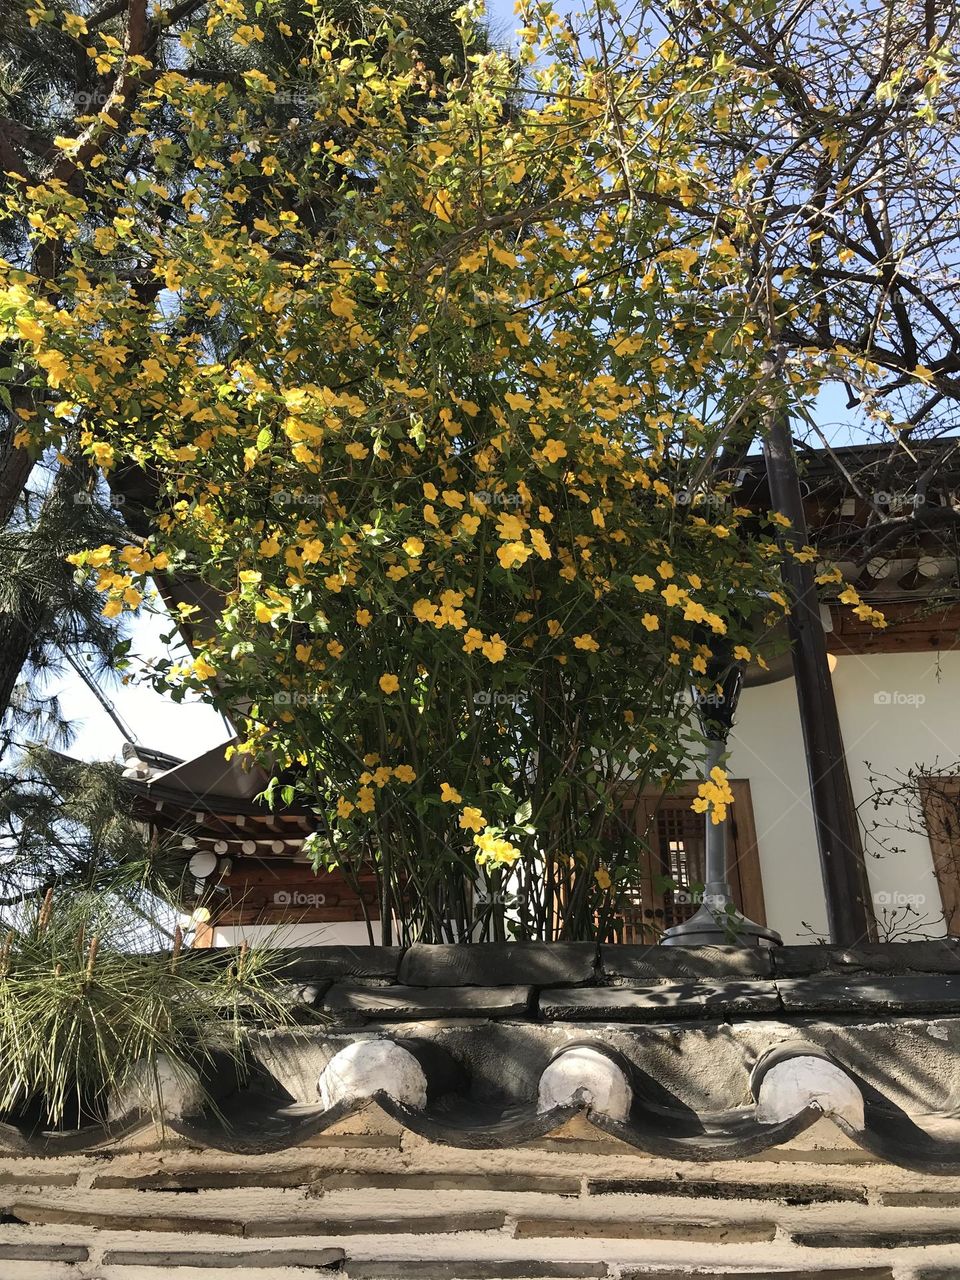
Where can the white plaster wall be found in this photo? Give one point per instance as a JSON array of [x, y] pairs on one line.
[[767, 750], [352, 934], [896, 710], [919, 724]]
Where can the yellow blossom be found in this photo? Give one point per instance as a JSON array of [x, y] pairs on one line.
[[512, 555], [496, 850], [472, 819], [494, 649]]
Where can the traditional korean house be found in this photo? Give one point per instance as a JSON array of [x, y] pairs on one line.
[[252, 880]]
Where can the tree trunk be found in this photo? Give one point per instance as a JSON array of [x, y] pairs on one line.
[[17, 637]]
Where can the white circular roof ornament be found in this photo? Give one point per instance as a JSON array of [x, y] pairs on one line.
[[221, 847], [203, 864]]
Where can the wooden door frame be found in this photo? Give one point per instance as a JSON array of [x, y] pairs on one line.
[[743, 833]]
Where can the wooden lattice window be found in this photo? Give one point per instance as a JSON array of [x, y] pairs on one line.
[[940, 798], [674, 835]]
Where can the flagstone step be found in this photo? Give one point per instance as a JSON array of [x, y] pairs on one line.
[[259, 1259]]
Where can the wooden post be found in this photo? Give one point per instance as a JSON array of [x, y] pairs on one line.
[[849, 911]]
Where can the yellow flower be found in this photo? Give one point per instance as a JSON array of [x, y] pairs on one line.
[[104, 239], [779, 518], [510, 527], [103, 453], [366, 799], [413, 547], [30, 329], [539, 542], [449, 794], [389, 683], [496, 850], [741, 653], [651, 621], [512, 555], [586, 641], [643, 582], [472, 819], [424, 610], [449, 612], [335, 648], [303, 652], [270, 546], [673, 594], [517, 401], [74, 24], [714, 795], [694, 612], [554, 450], [665, 569], [494, 649], [342, 305], [602, 877], [344, 807], [405, 773]]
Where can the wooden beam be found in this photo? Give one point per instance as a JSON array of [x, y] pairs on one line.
[[849, 910]]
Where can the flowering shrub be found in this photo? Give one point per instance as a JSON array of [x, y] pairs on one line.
[[420, 380]]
